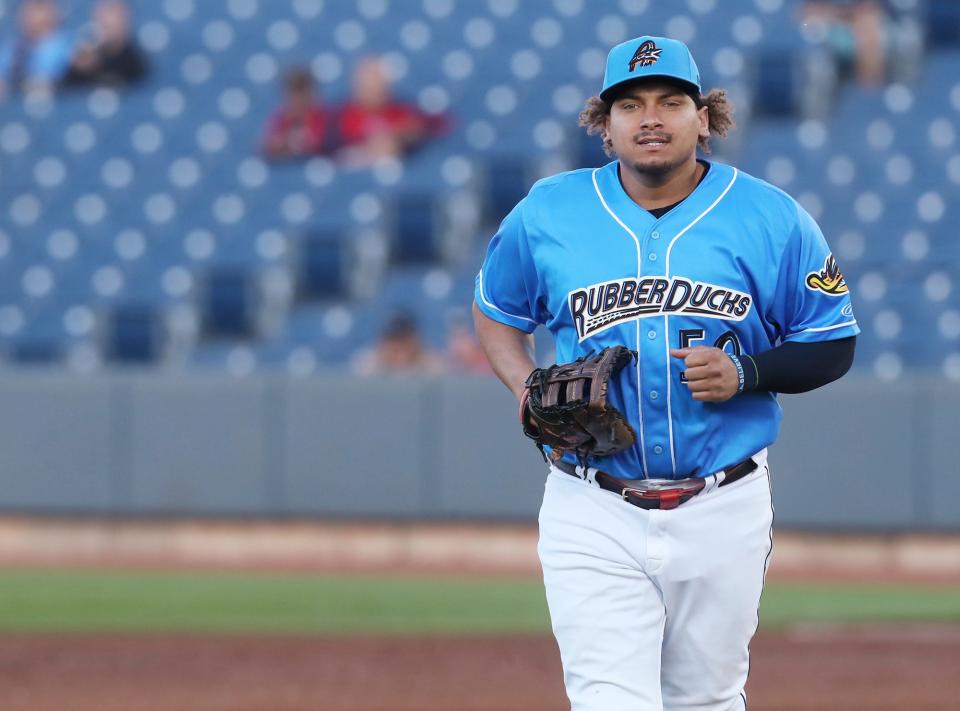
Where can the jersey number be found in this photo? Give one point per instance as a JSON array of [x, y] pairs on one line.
[[726, 342]]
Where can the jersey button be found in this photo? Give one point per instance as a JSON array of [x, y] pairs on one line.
[[655, 235], [651, 335], [658, 449], [652, 257], [654, 394]]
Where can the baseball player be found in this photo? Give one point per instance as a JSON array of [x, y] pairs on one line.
[[726, 291]]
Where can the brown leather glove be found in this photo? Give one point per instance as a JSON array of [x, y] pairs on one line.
[[567, 407]]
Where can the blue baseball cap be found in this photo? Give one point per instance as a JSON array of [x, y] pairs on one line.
[[647, 57]]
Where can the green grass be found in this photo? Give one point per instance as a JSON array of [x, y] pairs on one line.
[[234, 602], [785, 604], [225, 602]]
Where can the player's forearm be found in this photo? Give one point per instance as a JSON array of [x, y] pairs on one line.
[[509, 350], [799, 367]]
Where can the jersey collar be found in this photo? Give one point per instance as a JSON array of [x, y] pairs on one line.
[[608, 182]]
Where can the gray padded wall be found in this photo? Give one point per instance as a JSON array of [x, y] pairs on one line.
[[857, 455], [866, 455], [939, 481], [57, 443], [839, 452], [356, 447], [196, 445], [486, 464]]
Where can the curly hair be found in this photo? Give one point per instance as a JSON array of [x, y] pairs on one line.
[[719, 111]]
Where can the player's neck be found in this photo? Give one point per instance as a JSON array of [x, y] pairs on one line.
[[651, 191]]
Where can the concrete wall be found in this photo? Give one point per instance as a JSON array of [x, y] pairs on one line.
[[857, 455]]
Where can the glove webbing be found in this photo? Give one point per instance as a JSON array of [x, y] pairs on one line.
[[551, 384]]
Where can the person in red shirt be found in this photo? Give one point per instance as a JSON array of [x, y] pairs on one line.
[[299, 127], [372, 125]]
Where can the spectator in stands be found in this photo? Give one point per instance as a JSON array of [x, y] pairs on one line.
[[856, 33], [373, 125], [299, 127], [108, 54], [399, 349], [37, 58], [464, 353]]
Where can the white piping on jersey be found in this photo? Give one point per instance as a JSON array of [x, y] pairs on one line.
[[666, 318], [636, 242], [823, 328], [490, 305]]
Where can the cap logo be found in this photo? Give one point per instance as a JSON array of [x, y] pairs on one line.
[[647, 53]]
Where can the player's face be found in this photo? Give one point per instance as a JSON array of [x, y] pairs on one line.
[[654, 127]]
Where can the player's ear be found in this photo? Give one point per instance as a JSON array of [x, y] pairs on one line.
[[703, 114]]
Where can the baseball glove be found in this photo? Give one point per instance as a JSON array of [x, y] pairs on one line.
[[565, 407]]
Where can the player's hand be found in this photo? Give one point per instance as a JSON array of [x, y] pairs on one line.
[[711, 375]]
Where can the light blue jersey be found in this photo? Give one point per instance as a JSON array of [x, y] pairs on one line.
[[738, 265], [47, 61]]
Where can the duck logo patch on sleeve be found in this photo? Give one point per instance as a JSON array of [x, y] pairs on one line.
[[829, 280]]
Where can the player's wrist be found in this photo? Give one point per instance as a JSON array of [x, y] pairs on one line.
[[738, 365], [751, 373], [524, 395]]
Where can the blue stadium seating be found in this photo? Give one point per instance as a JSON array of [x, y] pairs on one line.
[[141, 225]]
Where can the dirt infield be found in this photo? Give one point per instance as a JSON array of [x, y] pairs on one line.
[[905, 668], [415, 547], [881, 669]]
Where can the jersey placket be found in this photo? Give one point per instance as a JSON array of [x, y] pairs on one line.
[[652, 338]]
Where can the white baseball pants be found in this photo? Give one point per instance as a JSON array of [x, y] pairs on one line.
[[654, 610]]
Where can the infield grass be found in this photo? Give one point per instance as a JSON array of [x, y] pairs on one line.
[[62, 601]]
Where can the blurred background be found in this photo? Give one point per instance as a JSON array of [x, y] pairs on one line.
[[238, 242], [226, 228]]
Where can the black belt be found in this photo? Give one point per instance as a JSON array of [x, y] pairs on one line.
[[659, 493]]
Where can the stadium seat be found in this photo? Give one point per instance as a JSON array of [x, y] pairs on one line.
[[943, 22], [413, 226], [134, 334], [322, 264], [120, 205], [229, 302]]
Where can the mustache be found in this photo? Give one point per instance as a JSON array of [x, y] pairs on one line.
[[639, 137]]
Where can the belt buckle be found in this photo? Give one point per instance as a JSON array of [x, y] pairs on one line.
[[649, 488], [658, 490], [627, 491], [666, 492], [654, 485]]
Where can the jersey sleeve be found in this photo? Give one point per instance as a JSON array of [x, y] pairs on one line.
[[812, 300], [507, 286]]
